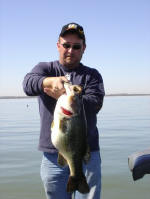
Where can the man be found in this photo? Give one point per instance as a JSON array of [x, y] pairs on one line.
[[46, 81]]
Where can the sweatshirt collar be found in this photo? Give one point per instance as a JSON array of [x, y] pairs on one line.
[[70, 69]]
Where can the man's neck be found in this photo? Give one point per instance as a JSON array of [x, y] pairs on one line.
[[70, 66]]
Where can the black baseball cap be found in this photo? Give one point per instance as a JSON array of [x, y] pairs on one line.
[[73, 28]]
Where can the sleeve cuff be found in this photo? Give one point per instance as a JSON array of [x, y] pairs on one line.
[[40, 84]]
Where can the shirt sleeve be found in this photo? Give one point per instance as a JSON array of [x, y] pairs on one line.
[[94, 92], [32, 83]]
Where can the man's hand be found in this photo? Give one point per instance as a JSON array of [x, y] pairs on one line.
[[54, 86]]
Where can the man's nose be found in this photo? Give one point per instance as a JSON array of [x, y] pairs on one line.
[[70, 49]]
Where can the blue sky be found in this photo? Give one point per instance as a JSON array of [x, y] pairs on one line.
[[117, 34]]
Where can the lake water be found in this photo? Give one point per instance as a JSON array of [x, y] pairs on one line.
[[124, 125]]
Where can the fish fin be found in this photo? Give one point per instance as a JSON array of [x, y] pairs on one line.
[[87, 155], [63, 125], [83, 187], [61, 160], [79, 184], [72, 184]]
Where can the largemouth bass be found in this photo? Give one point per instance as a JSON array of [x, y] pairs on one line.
[[69, 136]]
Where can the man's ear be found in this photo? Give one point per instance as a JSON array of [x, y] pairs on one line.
[[58, 45], [84, 47]]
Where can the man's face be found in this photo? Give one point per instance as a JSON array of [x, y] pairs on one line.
[[71, 49]]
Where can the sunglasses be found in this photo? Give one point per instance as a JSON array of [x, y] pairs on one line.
[[74, 46]]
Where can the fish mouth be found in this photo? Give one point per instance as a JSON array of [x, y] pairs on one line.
[[66, 112]]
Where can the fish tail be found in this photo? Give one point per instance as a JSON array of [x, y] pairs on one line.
[[72, 184], [79, 184]]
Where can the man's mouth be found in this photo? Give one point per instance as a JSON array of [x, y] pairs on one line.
[[69, 56]]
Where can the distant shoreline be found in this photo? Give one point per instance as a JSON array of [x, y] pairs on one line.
[[16, 97], [107, 95]]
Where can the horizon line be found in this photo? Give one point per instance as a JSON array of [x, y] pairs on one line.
[[107, 95]]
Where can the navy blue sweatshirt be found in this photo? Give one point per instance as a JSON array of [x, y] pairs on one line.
[[93, 94]]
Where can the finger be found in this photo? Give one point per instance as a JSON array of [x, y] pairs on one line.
[[63, 90], [50, 93], [64, 79], [46, 90]]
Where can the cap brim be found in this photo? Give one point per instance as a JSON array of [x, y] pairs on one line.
[[63, 33]]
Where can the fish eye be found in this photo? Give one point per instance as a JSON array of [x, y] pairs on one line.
[[75, 89]]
